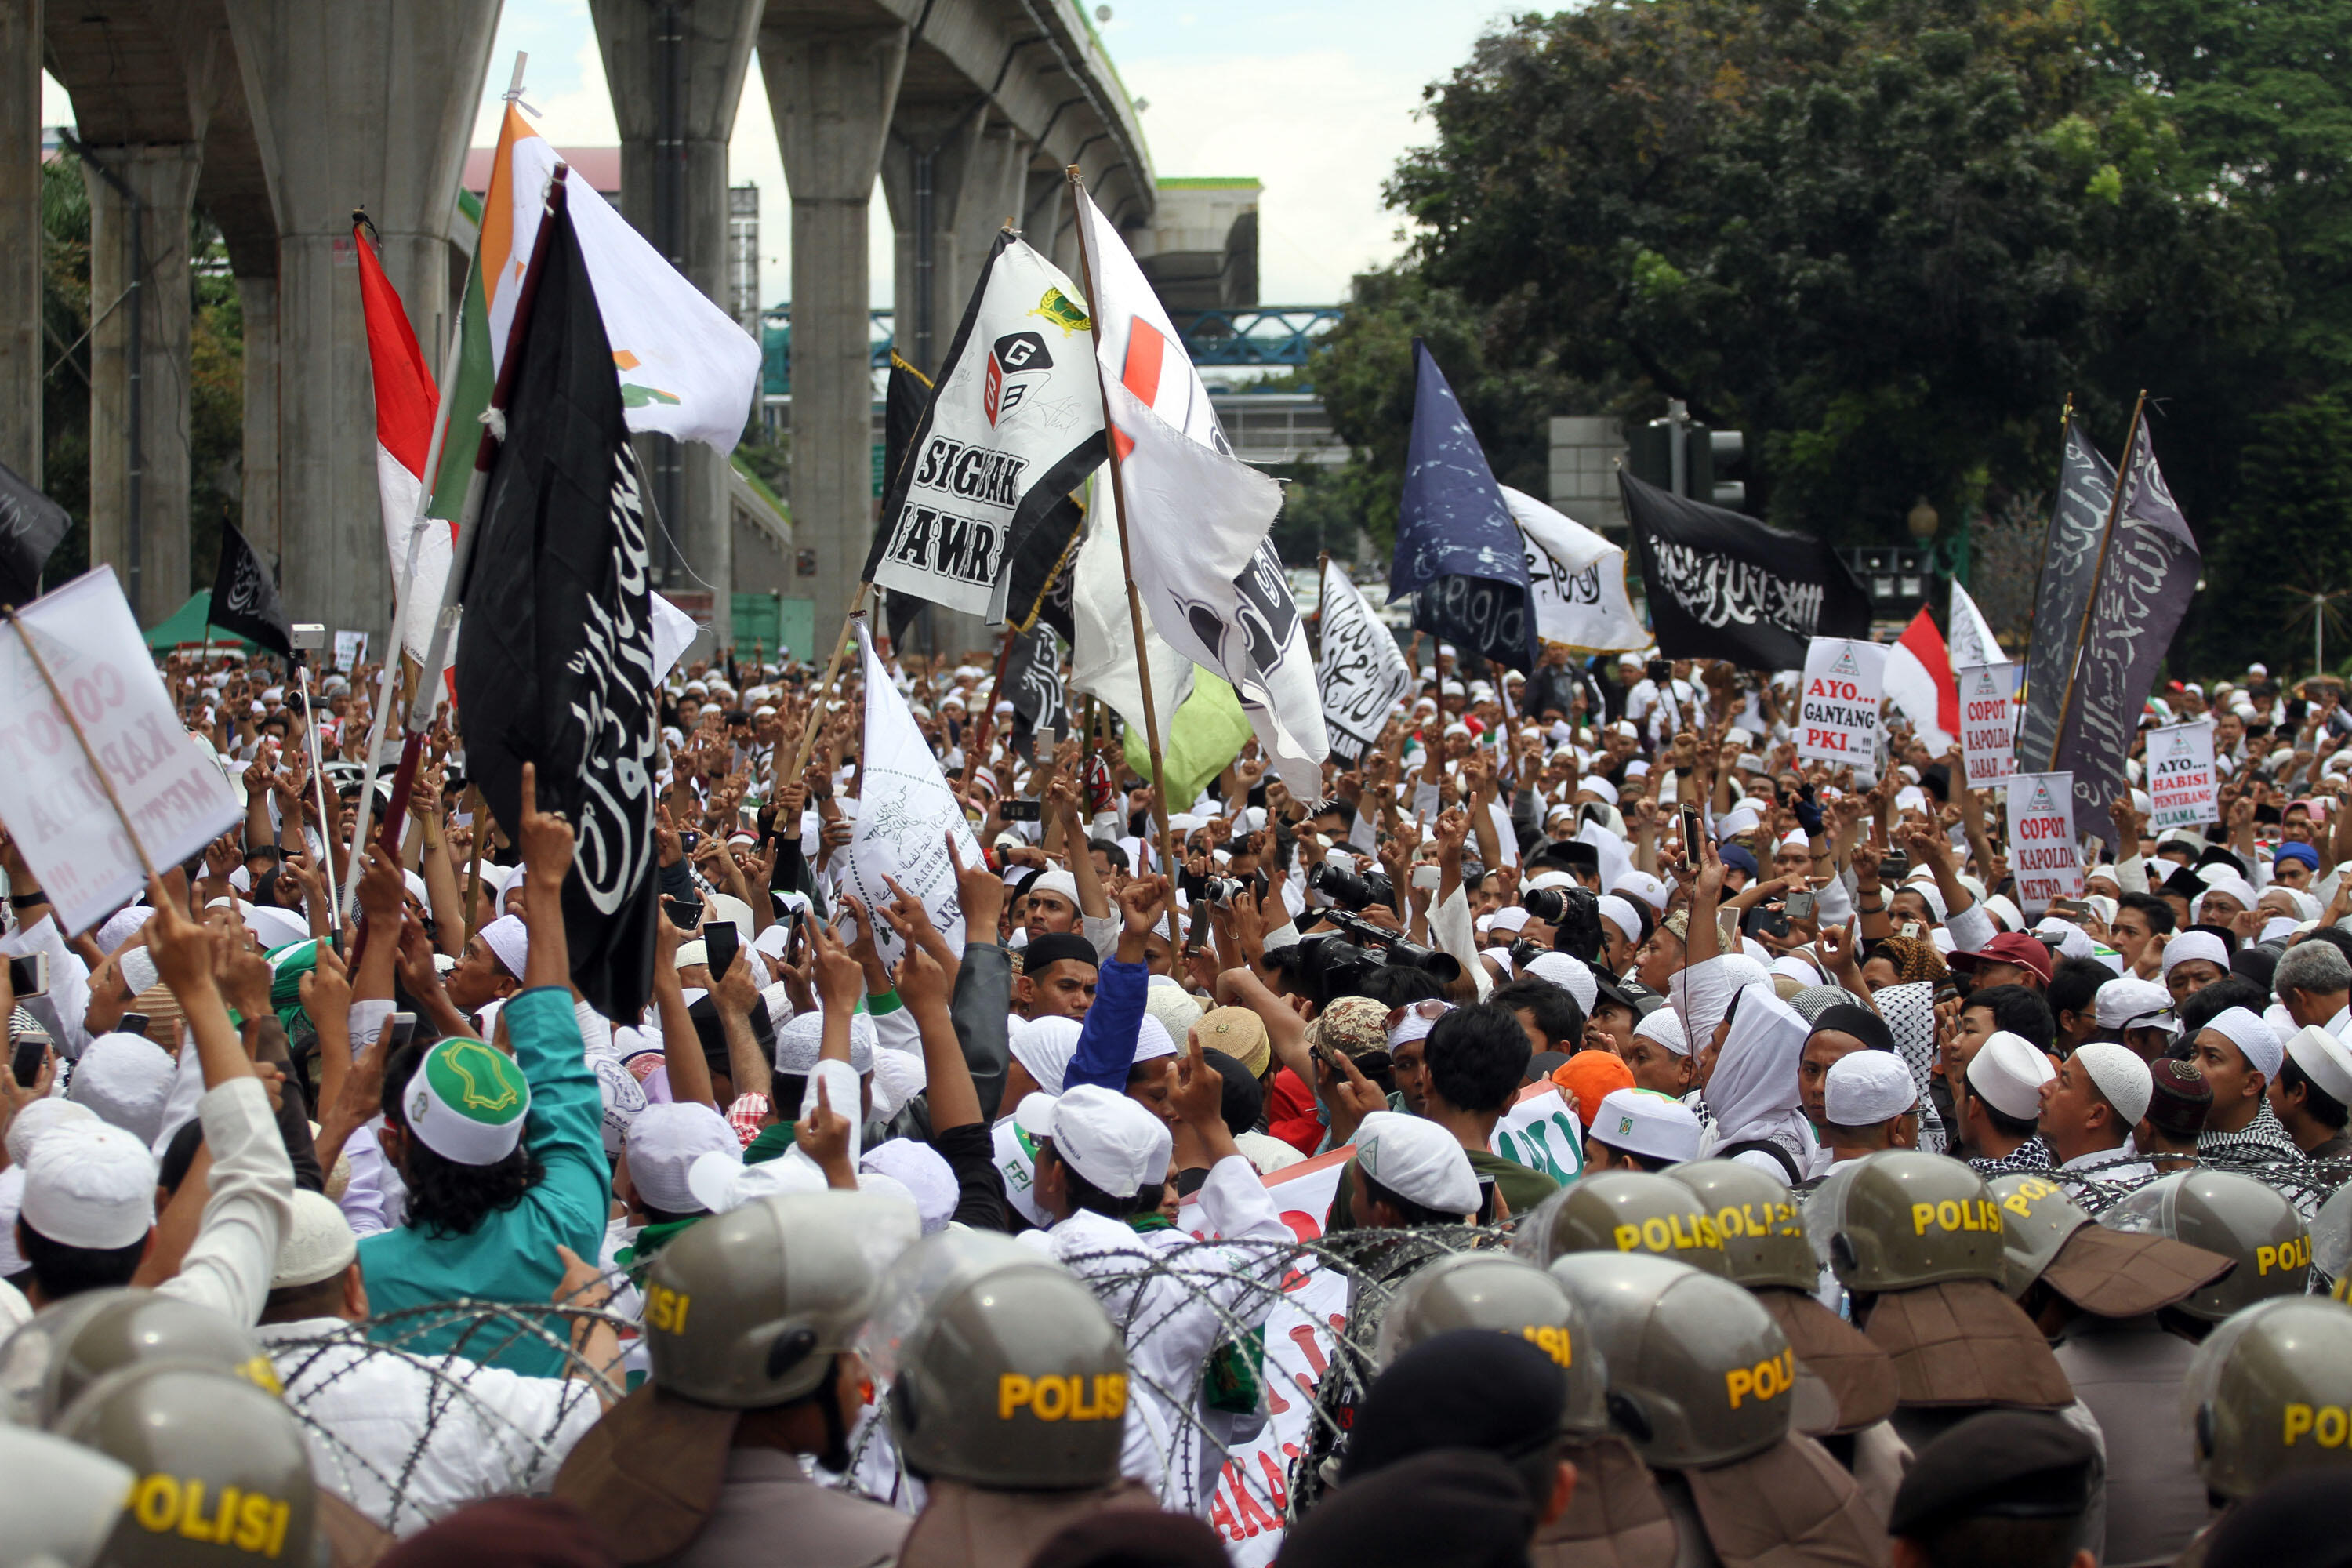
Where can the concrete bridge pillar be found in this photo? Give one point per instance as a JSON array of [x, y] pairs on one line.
[[139, 396], [832, 92], [261, 522], [676, 71], [364, 103], [20, 236]]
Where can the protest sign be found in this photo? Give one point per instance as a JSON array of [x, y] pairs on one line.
[[350, 650], [1361, 668], [171, 789], [1988, 732], [1253, 1488], [1837, 716], [904, 814], [2181, 785], [2042, 853]]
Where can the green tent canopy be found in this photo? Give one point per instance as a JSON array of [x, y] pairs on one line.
[[186, 625]]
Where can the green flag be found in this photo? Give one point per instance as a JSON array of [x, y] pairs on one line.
[[1208, 732]]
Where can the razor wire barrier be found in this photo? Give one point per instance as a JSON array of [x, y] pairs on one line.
[[1311, 1309]]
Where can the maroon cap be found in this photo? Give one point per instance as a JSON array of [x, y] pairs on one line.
[[2009, 947]]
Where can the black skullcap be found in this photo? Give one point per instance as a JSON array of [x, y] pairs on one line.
[[1133, 1538], [1862, 1023], [1454, 1507], [2298, 1520], [2007, 1464], [1469, 1388], [1056, 946], [1245, 1097]]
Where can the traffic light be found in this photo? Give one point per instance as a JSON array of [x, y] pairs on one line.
[[1684, 458]]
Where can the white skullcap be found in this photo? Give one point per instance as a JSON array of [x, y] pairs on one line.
[[1595, 784], [1544, 880], [1571, 974], [2244, 1028], [2001, 907], [2008, 1072], [508, 940], [1057, 882], [1152, 1039], [12, 1203], [2128, 1002], [1866, 1087], [1114, 1143], [1664, 1027], [1737, 821], [1795, 840], [2120, 1076], [317, 1244], [1643, 1121], [1511, 919], [1797, 967], [1620, 912], [803, 1037], [663, 1143], [926, 1175], [2323, 1060], [138, 969], [1419, 1161], [90, 1184], [126, 1080], [623, 1097], [1932, 895], [2073, 941], [37, 1119], [1044, 1046], [1640, 884], [2195, 944], [121, 926]]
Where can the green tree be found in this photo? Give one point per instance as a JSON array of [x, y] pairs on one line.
[[65, 385]]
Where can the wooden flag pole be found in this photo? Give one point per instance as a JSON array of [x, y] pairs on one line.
[[89, 754], [1169, 864], [2091, 603], [831, 670], [977, 753]]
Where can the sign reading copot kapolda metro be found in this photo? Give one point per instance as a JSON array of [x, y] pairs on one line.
[[2042, 853], [1014, 424]]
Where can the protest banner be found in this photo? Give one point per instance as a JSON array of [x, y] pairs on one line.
[[2042, 854], [905, 815], [351, 651], [1254, 1488], [2182, 789], [1988, 729], [169, 789], [1837, 714]]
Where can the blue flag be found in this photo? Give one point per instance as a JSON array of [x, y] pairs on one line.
[[1458, 552]]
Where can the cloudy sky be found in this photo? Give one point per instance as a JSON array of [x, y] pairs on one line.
[[1315, 98]]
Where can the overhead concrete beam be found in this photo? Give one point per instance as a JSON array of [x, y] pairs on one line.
[[832, 80], [20, 237], [363, 103], [676, 70]]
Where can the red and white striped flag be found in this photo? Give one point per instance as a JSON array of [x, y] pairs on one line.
[[405, 402], [1919, 681]]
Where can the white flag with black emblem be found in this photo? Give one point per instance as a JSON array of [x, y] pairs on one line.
[[1014, 424]]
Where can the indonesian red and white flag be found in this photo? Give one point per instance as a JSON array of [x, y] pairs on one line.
[[1197, 516], [405, 401], [1919, 681]]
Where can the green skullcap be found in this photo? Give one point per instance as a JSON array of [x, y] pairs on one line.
[[466, 1101]]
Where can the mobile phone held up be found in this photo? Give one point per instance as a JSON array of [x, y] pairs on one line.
[[720, 940], [1018, 810]]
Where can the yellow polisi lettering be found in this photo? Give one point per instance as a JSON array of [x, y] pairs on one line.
[[1922, 1216], [1766, 1380], [1658, 1234], [193, 1522], [1060, 1396], [1553, 1341], [1628, 1237], [2292, 1254], [251, 1523], [666, 1309]]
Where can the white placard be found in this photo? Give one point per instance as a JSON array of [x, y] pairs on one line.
[[351, 651], [904, 816], [170, 786], [1837, 717], [1988, 725], [2181, 785], [1361, 668], [2042, 853]]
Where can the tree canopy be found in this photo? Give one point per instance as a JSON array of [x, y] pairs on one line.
[[1888, 239]]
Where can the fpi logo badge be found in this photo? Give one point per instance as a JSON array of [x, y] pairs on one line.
[[1011, 356], [2042, 802], [1845, 665]]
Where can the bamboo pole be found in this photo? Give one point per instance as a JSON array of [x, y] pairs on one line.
[[832, 671], [2091, 603], [89, 754], [1168, 863]]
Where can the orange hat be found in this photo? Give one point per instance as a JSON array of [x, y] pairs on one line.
[[1591, 1076]]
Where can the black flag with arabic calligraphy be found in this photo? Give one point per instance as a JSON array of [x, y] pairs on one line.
[[1724, 586], [245, 596], [31, 524]]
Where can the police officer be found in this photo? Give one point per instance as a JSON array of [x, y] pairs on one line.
[[1008, 1400], [61, 1502], [1703, 1382], [1624, 1211], [2233, 1215], [222, 1475], [2270, 1394], [749, 1322], [1616, 1516], [1846, 1383], [2096, 1293], [65, 1348], [1916, 1240]]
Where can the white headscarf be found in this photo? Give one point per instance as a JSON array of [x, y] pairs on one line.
[[1753, 1089]]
